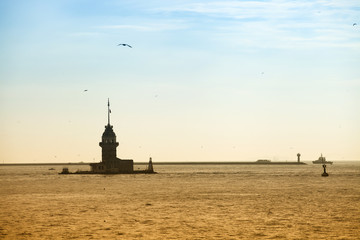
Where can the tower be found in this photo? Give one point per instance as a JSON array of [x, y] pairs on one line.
[[108, 143], [298, 156], [150, 168], [109, 162]]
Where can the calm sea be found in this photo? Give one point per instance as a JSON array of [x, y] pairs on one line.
[[182, 202]]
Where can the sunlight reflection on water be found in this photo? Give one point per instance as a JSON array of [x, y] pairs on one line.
[[182, 202]]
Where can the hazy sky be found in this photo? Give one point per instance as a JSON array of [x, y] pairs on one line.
[[204, 81]]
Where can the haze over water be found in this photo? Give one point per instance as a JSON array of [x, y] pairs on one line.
[[182, 202]]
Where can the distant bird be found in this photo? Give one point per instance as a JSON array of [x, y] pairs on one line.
[[354, 24], [85, 90], [125, 45]]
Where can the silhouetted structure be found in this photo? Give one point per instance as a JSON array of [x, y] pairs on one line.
[[322, 160], [298, 155], [324, 174], [110, 163], [150, 166]]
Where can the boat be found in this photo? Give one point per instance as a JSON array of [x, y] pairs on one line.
[[322, 160], [263, 161]]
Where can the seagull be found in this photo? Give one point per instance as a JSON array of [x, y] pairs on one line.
[[354, 24], [125, 45]]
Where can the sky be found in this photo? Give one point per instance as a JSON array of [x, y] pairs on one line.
[[204, 80]]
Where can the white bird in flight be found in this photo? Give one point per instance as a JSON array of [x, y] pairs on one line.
[[125, 45]]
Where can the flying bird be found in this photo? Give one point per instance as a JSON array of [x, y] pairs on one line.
[[125, 45], [85, 90], [354, 24]]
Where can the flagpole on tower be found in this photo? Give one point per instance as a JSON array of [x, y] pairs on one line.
[[109, 111]]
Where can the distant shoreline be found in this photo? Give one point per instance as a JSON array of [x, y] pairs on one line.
[[176, 163], [160, 163]]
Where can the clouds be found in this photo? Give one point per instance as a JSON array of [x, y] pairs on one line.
[[269, 24], [272, 9], [147, 27], [276, 24]]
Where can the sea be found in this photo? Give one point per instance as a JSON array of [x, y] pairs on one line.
[[182, 202]]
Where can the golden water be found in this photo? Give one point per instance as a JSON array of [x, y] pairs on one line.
[[182, 202]]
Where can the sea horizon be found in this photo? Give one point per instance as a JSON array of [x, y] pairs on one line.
[[176, 162]]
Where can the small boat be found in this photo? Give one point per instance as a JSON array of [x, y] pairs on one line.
[[263, 161], [322, 160]]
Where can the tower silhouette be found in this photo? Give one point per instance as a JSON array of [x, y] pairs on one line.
[[150, 168], [109, 161], [108, 143]]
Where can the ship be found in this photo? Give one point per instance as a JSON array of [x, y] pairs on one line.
[[322, 160], [264, 161]]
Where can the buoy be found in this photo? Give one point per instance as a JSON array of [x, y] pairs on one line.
[[324, 174]]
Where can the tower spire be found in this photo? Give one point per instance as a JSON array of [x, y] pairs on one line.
[[109, 111]]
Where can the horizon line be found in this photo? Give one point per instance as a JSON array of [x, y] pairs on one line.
[[172, 163]]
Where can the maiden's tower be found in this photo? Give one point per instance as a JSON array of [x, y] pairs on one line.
[[110, 163]]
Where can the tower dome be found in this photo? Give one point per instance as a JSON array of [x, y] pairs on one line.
[[109, 134]]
